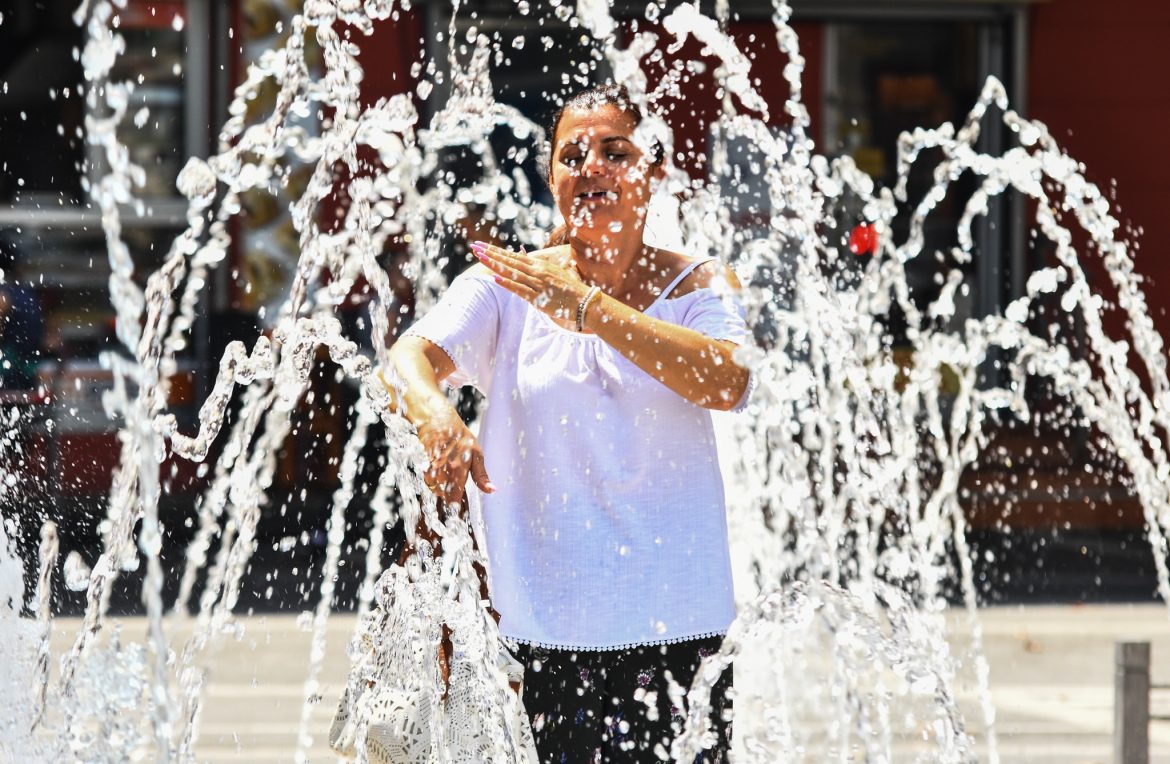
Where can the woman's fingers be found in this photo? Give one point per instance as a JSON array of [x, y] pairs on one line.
[[509, 269], [511, 274], [452, 461], [518, 289], [519, 274], [535, 280], [442, 475], [479, 472], [449, 489], [440, 482], [518, 261], [457, 468]]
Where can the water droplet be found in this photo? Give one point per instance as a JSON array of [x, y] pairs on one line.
[[75, 572]]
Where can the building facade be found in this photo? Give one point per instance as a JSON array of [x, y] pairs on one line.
[[873, 69]]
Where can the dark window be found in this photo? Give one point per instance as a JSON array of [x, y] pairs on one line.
[[890, 78], [42, 106]]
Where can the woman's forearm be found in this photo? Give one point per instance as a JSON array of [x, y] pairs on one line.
[[421, 367], [453, 454], [698, 368], [693, 365]]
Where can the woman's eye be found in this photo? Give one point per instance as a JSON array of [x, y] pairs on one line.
[[616, 156]]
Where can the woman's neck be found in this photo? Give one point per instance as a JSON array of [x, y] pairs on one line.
[[617, 265]]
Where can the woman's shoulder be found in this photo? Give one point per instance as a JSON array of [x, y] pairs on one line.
[[710, 273], [478, 277]]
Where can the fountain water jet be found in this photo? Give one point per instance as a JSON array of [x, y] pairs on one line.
[[848, 446]]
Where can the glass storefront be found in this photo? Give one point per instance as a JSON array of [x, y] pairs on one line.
[[887, 78], [53, 243], [872, 70]]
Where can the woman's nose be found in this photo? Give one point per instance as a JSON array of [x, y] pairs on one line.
[[594, 164]]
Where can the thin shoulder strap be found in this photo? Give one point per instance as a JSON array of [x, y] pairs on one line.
[[685, 272]]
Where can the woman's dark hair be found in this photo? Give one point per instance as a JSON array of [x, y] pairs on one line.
[[587, 100]]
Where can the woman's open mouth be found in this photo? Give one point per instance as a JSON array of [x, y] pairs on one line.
[[596, 196]]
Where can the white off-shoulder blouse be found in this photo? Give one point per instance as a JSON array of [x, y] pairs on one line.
[[607, 528]]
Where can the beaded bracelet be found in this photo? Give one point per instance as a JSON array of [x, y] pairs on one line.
[[593, 292]]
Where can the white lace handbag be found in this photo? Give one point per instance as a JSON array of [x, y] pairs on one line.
[[393, 710]]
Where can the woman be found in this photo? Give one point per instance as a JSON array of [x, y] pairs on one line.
[[603, 508]]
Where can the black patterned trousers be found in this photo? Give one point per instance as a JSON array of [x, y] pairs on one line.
[[612, 705]]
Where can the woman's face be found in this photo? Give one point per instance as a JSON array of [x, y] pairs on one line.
[[601, 181]]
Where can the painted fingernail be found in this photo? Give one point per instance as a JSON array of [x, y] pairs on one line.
[[498, 280], [490, 486]]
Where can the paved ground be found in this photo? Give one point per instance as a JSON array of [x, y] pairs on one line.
[[1051, 670], [1052, 678]]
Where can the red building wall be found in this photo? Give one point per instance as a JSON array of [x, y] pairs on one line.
[[1099, 77], [387, 55], [691, 114]]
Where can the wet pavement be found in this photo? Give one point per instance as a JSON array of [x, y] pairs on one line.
[[1051, 672]]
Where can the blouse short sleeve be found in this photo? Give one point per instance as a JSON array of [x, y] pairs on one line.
[[465, 324], [720, 317]]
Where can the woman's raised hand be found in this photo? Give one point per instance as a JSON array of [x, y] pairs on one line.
[[453, 453], [546, 278]]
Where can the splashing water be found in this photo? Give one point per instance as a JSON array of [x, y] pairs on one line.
[[846, 501]]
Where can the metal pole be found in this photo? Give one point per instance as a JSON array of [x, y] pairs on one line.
[[1131, 703]]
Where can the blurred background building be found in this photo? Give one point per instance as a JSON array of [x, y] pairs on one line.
[[874, 68]]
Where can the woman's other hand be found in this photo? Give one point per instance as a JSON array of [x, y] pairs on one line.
[[452, 450], [454, 453], [546, 278]]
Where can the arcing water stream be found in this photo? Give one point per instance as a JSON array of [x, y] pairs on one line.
[[848, 503]]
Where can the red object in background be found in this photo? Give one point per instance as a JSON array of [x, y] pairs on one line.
[[153, 14], [863, 240]]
